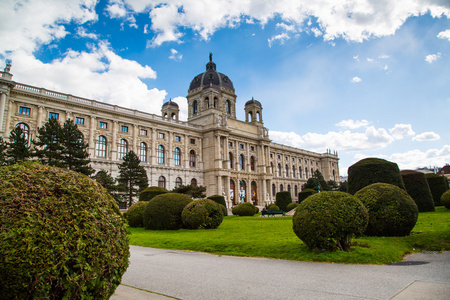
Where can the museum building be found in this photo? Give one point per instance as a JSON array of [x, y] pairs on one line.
[[213, 148]]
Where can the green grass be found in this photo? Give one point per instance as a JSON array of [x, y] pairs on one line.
[[274, 238]]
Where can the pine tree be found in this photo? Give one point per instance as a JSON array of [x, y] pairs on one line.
[[317, 182], [48, 146], [109, 183], [74, 151], [18, 149], [132, 177], [3, 147]]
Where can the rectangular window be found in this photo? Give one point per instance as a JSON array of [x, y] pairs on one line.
[[278, 156], [193, 141], [252, 148], [103, 125], [241, 146], [271, 155], [124, 128], [144, 132], [230, 144], [53, 115], [79, 121], [24, 110], [177, 138], [161, 135]]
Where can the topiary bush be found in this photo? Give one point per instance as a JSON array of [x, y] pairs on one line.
[[445, 199], [224, 210], [292, 206], [134, 214], [438, 185], [151, 192], [392, 212], [329, 220], [273, 207], [373, 170], [283, 199], [203, 213], [244, 209], [305, 194], [62, 235], [417, 187], [163, 212], [218, 199]]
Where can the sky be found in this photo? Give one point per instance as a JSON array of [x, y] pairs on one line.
[[365, 78]]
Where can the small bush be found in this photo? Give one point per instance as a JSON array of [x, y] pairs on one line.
[[305, 194], [291, 206], [445, 199], [151, 192], [164, 211], [244, 209], [329, 220], [218, 199], [283, 199], [224, 210], [438, 185], [62, 235], [134, 214], [417, 187], [373, 170], [203, 213], [273, 207], [256, 210], [392, 212]]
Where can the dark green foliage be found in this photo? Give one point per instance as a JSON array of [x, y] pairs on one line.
[[62, 235], [132, 177], [445, 199], [438, 185], [316, 182], [273, 207], [343, 186], [329, 220], [151, 192], [291, 206], [392, 212], [164, 211], [49, 144], [109, 183], [333, 185], [373, 170], [305, 194], [3, 147], [417, 187], [134, 214], [203, 213], [18, 149], [218, 199], [224, 210], [283, 199], [244, 209], [194, 192]]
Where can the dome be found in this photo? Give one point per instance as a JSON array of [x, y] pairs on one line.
[[170, 102], [211, 78], [253, 101]]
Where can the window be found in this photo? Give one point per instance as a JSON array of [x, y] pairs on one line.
[[53, 115], [293, 171], [278, 156], [25, 130], [142, 152], [241, 146], [281, 187], [242, 162], [178, 182], [230, 144], [195, 107], [24, 110], [194, 182], [293, 159], [160, 154], [287, 170], [279, 170], [252, 164], [192, 141], [177, 138], [289, 188], [144, 132], [252, 148], [162, 182], [286, 158], [273, 189], [123, 148], [228, 107], [161, 135], [295, 191], [124, 128], [300, 173], [177, 156], [79, 121], [103, 125], [230, 158], [271, 155], [100, 147], [192, 159]]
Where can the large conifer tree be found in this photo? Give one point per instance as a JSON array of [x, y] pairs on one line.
[[74, 151], [48, 144], [132, 177], [18, 149]]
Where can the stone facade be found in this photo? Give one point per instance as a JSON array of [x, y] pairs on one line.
[[213, 148]]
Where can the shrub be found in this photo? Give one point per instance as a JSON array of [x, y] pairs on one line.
[[392, 212], [224, 210], [438, 185], [373, 170], [164, 211], [151, 192], [134, 214], [292, 206], [282, 200], [445, 199], [329, 220], [62, 235], [305, 194], [203, 213], [417, 187], [218, 199], [273, 207], [244, 209]]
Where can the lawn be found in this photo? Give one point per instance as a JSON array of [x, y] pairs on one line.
[[274, 238]]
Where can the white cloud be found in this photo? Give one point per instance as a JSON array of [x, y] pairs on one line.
[[316, 31], [116, 10], [426, 137], [432, 57], [281, 38], [175, 55], [286, 27], [401, 130], [444, 34], [182, 104], [81, 32], [353, 124], [356, 79]]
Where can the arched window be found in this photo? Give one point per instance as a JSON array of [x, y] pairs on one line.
[[300, 173], [25, 130], [142, 152], [293, 171], [281, 187], [273, 189], [177, 156], [228, 107], [194, 182], [295, 191], [312, 172], [230, 158], [192, 159], [195, 107], [162, 182], [242, 162], [123, 148], [306, 173], [258, 116], [100, 146], [207, 102], [216, 103], [160, 154], [287, 171], [178, 182], [289, 188], [279, 170], [252, 164]]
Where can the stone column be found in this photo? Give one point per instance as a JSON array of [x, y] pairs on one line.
[[227, 191], [2, 108], [170, 150], [153, 151], [113, 155], [185, 154], [91, 136], [8, 120], [135, 137]]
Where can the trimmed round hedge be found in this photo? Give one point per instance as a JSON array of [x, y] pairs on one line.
[[329, 220], [224, 210], [392, 212], [445, 199], [417, 187], [244, 209], [305, 194], [203, 213], [373, 170], [438, 185], [218, 199], [151, 192], [273, 207], [163, 212], [283, 199], [62, 235], [134, 214], [291, 206]]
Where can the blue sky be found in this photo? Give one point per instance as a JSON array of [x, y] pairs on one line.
[[364, 78]]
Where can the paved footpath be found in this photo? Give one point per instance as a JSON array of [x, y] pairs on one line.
[[193, 275]]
